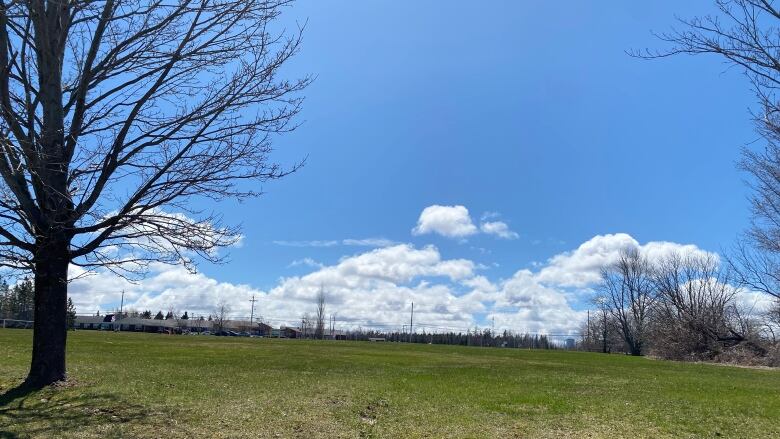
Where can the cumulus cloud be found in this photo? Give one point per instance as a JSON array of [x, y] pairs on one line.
[[456, 222], [449, 221], [581, 267], [165, 287], [499, 229], [374, 288], [399, 264], [524, 304], [369, 288]]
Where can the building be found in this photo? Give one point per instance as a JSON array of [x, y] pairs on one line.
[[286, 332], [109, 322], [94, 322], [264, 330], [335, 335]]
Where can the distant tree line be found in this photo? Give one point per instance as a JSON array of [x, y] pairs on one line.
[[477, 337], [315, 328]]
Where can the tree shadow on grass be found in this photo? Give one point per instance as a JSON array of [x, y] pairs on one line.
[[53, 412]]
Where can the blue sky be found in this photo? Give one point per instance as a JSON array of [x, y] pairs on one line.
[[531, 110], [525, 108]]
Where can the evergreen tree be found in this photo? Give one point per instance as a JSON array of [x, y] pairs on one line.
[[5, 300], [146, 314], [185, 316], [71, 319], [159, 315], [23, 300], [169, 316]]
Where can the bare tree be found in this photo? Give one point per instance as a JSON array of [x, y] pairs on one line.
[[221, 315], [772, 321], [181, 323], [696, 315], [755, 269], [114, 116], [319, 330], [305, 325], [602, 326], [746, 34], [630, 293]]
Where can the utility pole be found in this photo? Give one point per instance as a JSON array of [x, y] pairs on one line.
[[587, 333], [252, 315], [411, 324], [492, 330], [121, 309]]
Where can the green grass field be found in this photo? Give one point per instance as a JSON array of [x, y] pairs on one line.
[[147, 385]]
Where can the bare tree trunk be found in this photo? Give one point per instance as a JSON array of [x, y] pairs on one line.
[[110, 105], [50, 327]]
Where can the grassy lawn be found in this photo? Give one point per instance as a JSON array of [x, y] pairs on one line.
[[147, 385]]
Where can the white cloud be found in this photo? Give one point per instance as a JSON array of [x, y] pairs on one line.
[[455, 222], [402, 263], [376, 287], [369, 242], [489, 215], [363, 242], [499, 229], [449, 221], [524, 304], [315, 243], [165, 287], [308, 262], [372, 287], [581, 267]]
